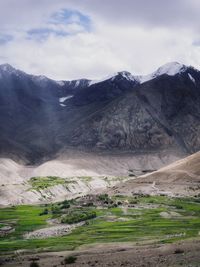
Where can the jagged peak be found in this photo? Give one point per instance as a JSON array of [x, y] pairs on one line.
[[170, 68], [125, 74], [7, 67]]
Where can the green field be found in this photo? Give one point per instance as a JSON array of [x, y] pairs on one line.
[[154, 219], [40, 183]]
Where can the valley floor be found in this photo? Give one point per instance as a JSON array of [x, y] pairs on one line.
[[102, 230]]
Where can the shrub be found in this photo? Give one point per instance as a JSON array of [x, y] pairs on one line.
[[34, 264], [55, 209], [89, 204], [65, 204], [178, 251], [103, 197], [44, 212], [75, 217], [179, 206], [70, 259], [133, 201]]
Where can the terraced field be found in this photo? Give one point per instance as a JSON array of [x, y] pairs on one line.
[[138, 219]]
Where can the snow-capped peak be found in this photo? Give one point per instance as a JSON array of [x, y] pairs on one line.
[[125, 74], [171, 69]]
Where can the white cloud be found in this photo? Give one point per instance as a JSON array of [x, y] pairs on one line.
[[109, 47]]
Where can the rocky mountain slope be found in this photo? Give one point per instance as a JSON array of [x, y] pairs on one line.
[[41, 118]]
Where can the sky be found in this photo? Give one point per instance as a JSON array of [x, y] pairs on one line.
[[71, 39]]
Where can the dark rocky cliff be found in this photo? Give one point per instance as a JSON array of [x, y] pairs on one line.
[[39, 117]]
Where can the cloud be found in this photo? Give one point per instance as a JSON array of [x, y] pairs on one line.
[[67, 39], [154, 13]]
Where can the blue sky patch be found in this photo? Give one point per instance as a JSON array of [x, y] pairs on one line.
[[42, 34], [62, 23], [67, 16], [5, 38]]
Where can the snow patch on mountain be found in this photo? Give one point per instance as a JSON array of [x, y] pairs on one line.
[[63, 99], [109, 77], [191, 78], [77, 83], [61, 83]]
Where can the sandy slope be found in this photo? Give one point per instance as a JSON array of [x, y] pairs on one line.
[[14, 188], [179, 178]]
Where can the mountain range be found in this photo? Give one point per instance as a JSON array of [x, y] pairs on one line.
[[41, 118]]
